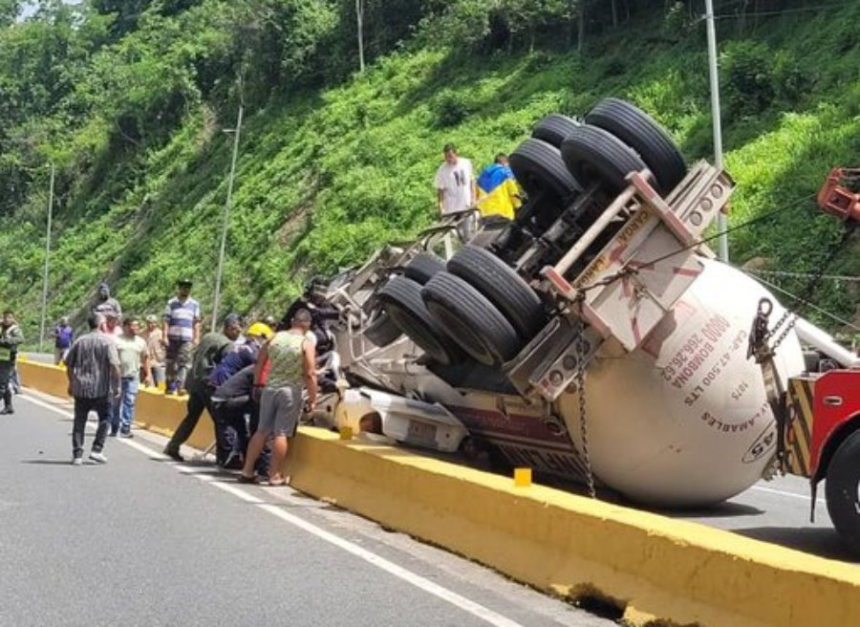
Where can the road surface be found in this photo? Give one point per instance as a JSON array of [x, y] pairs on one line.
[[146, 541]]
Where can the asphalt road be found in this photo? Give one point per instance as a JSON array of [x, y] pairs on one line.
[[778, 511], [145, 541]]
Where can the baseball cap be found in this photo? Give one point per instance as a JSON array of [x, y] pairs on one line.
[[187, 282]]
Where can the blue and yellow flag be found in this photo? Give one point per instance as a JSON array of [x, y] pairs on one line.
[[498, 193]]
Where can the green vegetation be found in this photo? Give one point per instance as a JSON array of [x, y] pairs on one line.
[[130, 101]]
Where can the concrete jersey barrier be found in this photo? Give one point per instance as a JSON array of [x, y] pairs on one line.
[[660, 571]]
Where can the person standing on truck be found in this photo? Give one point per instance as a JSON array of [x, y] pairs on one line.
[[291, 358], [180, 334], [455, 188], [209, 352], [498, 193], [10, 338], [93, 372]]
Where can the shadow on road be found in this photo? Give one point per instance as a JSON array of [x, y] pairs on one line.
[[720, 510]]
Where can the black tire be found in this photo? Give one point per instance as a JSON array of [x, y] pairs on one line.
[[593, 154], [470, 320], [402, 300], [423, 267], [841, 488], [554, 128], [639, 131], [540, 171], [382, 330], [502, 286]]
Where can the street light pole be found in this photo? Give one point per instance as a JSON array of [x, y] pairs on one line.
[[47, 260], [722, 219], [226, 220]]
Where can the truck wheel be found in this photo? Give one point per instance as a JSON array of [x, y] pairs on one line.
[[470, 319], [382, 330], [401, 298], [502, 286], [540, 171], [422, 267], [554, 128], [639, 131], [842, 488], [593, 154]]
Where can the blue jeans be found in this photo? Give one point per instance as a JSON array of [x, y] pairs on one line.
[[123, 410]]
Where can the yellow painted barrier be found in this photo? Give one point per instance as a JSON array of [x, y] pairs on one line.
[[155, 411], [661, 571]]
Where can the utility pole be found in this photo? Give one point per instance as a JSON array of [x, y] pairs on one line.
[[722, 219], [226, 219], [47, 260], [359, 15]]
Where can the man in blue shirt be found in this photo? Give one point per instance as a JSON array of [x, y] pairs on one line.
[[63, 336]]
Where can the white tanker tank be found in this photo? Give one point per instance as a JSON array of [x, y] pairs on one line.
[[633, 309]]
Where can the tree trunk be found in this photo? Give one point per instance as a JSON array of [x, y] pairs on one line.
[[359, 16], [614, 14], [580, 44]]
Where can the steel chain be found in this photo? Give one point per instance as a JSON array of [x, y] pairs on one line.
[[580, 386], [808, 290]]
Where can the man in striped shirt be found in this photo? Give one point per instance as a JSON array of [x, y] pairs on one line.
[[92, 367], [181, 333]]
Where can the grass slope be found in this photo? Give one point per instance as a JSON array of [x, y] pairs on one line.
[[324, 178]]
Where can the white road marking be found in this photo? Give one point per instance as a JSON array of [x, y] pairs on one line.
[[804, 497], [467, 605], [476, 609]]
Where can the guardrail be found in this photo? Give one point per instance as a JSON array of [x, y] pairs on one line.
[[659, 571]]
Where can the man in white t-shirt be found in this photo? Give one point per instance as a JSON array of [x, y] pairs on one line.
[[455, 184]]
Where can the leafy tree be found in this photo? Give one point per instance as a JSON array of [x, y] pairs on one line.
[[9, 11]]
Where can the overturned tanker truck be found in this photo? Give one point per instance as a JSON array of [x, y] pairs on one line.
[[594, 337]]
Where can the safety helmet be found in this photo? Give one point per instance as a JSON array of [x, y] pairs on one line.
[[259, 329]]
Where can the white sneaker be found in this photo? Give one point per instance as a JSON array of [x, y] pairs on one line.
[[101, 458], [77, 461]]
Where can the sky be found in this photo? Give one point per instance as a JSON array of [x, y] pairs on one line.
[[30, 8]]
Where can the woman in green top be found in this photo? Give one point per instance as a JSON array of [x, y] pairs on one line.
[[291, 360]]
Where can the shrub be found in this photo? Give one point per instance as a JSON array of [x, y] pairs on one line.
[[451, 109], [747, 77]]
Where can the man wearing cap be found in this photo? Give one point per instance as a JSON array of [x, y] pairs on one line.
[[213, 347], [231, 431], [154, 349], [181, 332]]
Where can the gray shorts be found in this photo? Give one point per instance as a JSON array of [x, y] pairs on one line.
[[280, 410]]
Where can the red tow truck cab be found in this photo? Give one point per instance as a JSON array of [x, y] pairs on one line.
[[824, 410], [821, 441], [821, 424]]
